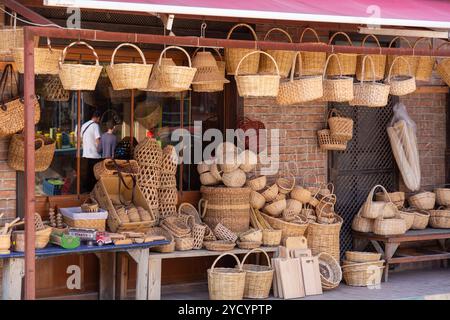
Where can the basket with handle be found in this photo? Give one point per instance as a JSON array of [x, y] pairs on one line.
[[286, 184], [210, 75], [401, 84], [370, 93], [257, 85], [284, 58], [398, 198], [336, 88], [258, 278], [408, 217], [425, 64], [324, 237], [44, 152], [78, 76], [233, 56], [326, 142], [312, 63], [292, 210], [54, 91], [45, 59], [346, 64], [301, 89], [129, 75], [154, 82], [407, 65], [378, 61], [341, 128], [443, 67], [389, 227], [362, 224], [109, 167], [270, 193], [374, 209], [226, 283], [176, 77], [288, 229], [421, 218]]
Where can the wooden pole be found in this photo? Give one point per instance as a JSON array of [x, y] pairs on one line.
[[29, 96], [78, 143], [132, 123]]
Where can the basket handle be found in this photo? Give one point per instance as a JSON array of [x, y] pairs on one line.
[[334, 113], [175, 47], [332, 197], [364, 67], [213, 49], [257, 250], [279, 30], [200, 204], [430, 43], [444, 44], [310, 30], [243, 25], [128, 45], [402, 38], [294, 62], [253, 52], [64, 52], [227, 254], [309, 174], [393, 62], [42, 143], [343, 34], [326, 65], [370, 195], [374, 38]]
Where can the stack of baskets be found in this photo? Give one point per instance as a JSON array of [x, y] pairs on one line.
[[168, 193], [362, 269], [340, 131]]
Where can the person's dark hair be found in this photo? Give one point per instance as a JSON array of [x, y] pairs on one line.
[[96, 114], [110, 125]]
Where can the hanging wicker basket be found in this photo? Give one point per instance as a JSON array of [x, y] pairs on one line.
[[45, 59], [78, 76], [233, 56], [176, 77], [425, 64], [370, 94], [283, 58], [54, 91], [364, 70], [326, 142], [406, 65], [401, 85], [443, 67], [341, 128], [43, 152], [346, 62], [257, 85], [336, 88], [312, 63]]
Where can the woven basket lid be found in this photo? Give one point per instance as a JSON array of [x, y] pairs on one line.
[[204, 59]]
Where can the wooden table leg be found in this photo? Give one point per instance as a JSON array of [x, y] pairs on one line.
[[141, 258], [360, 244], [122, 276], [107, 275], [443, 247], [13, 272], [154, 278], [389, 251]]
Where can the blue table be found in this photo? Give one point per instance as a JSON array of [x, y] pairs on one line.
[[13, 267]]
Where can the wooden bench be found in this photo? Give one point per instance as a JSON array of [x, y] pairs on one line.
[[13, 267], [155, 263], [388, 245]]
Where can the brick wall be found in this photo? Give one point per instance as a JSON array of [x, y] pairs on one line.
[[7, 183]]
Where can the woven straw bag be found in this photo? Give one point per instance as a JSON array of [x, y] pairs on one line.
[[129, 75], [326, 142], [78, 76], [210, 75], [45, 59], [346, 64], [176, 77], [283, 58], [443, 67], [226, 283], [407, 65], [312, 62], [362, 224], [374, 209], [370, 94], [336, 88], [389, 227], [301, 89], [54, 91], [401, 85], [154, 82], [378, 61], [341, 128], [258, 279], [257, 85], [425, 64], [233, 56], [43, 152]]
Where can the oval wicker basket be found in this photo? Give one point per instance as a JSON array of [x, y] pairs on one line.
[[421, 219], [226, 283], [389, 227], [233, 56], [248, 245], [271, 237], [398, 198], [336, 88], [330, 271], [423, 200], [283, 58], [346, 62], [408, 217], [286, 184], [362, 275], [258, 279], [177, 78], [257, 183], [379, 63], [45, 59], [301, 194], [362, 224], [401, 84], [440, 218], [442, 196], [293, 209], [341, 128], [288, 229], [148, 114], [359, 257], [312, 62], [166, 248], [184, 244], [270, 193]]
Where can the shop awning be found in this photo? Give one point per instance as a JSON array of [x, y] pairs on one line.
[[413, 13]]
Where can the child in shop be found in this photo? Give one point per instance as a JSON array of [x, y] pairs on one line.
[[108, 142]]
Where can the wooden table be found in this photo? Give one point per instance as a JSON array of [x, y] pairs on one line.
[[13, 267], [391, 243], [155, 263]]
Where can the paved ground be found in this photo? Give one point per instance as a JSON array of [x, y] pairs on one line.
[[417, 284]]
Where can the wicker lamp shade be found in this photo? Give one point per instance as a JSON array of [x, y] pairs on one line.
[[210, 75]]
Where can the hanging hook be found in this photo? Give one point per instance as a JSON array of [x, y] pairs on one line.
[[203, 30]]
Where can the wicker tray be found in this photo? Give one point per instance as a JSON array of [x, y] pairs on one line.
[[219, 245]]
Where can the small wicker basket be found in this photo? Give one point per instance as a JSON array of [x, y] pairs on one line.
[[346, 62], [45, 59], [184, 244], [233, 56], [425, 64], [341, 128], [271, 237], [359, 257], [312, 62], [423, 200], [176, 77], [326, 142], [401, 84], [336, 88], [363, 70], [283, 58]]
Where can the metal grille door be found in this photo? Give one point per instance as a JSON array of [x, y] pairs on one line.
[[367, 161]]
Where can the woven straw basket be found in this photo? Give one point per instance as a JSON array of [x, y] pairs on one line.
[[312, 62], [43, 153], [176, 77], [148, 114], [401, 84], [233, 56], [45, 59], [78, 76], [378, 60], [341, 128], [389, 227], [54, 91], [425, 64], [324, 238], [336, 88], [210, 75], [226, 283], [129, 75], [370, 94], [362, 224], [423, 200], [443, 67], [346, 64], [288, 229], [330, 271], [258, 279], [440, 218], [257, 85], [12, 116], [301, 89], [326, 142], [284, 58], [405, 66], [443, 196]]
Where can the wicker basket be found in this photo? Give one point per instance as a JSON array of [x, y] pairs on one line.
[[360, 257], [258, 279], [184, 244], [148, 153], [251, 235], [370, 94], [271, 237], [288, 229], [442, 196], [210, 75], [12, 116], [248, 245], [341, 128], [257, 183], [176, 225], [283, 58], [233, 56], [247, 160], [362, 224], [203, 167], [169, 161], [208, 179], [257, 85], [234, 179], [89, 205], [326, 142], [176, 77], [324, 238], [443, 67], [229, 206], [406, 65], [389, 227], [423, 200], [166, 210], [45, 59], [440, 218], [336, 88], [42, 237], [149, 177], [97, 224], [401, 84], [188, 209], [54, 91], [312, 62], [168, 181], [374, 209], [257, 200], [198, 233], [363, 70], [109, 167], [408, 217], [330, 271], [223, 233], [293, 209], [226, 283], [148, 114], [398, 198], [219, 245], [270, 193], [5, 243], [165, 248], [425, 64], [301, 194], [43, 153], [129, 75], [77, 76], [168, 196], [362, 274], [12, 37], [421, 219], [346, 62]]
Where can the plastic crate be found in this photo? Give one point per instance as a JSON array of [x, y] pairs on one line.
[[52, 189]]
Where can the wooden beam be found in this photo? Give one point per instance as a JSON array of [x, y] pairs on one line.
[[405, 33], [432, 89]]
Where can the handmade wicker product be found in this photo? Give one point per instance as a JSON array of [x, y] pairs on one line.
[[442, 196], [324, 237], [45, 59], [226, 283], [176, 77], [346, 62], [408, 217], [151, 196], [404, 66], [443, 67], [374, 209], [54, 91], [398, 198], [421, 219], [257, 200], [251, 235], [168, 196], [148, 153], [286, 184], [330, 271], [42, 237], [359, 257], [270, 193], [233, 56], [271, 237], [184, 244], [169, 160], [401, 84], [257, 85], [301, 194], [440, 218], [389, 227], [247, 160], [144, 215], [336, 88], [109, 167], [363, 274], [423, 200], [218, 245], [258, 279], [89, 205], [425, 64], [283, 58], [326, 142], [188, 209], [288, 229], [223, 233], [292, 210], [234, 179], [362, 224], [341, 128], [208, 179], [165, 248], [148, 114], [78, 76], [149, 177], [167, 210], [248, 245], [44, 151], [257, 183], [210, 75], [202, 167], [12, 116], [168, 181], [12, 37], [177, 226], [275, 208], [198, 233], [312, 62], [364, 70]]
